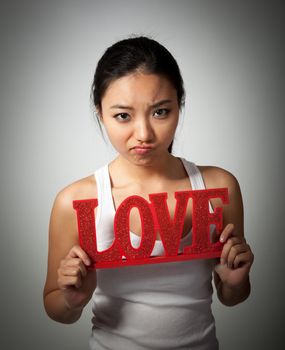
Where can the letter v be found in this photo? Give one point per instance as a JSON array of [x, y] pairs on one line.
[[170, 230]]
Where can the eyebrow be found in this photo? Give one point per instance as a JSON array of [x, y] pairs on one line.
[[157, 104]]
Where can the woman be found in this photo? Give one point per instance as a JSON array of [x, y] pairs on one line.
[[138, 94]]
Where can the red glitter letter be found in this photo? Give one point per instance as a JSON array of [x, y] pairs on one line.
[[122, 228], [170, 230], [87, 232], [202, 219], [153, 215]]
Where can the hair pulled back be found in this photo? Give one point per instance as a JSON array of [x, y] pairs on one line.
[[135, 54]]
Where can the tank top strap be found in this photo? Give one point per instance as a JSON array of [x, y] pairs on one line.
[[104, 186], [195, 176], [105, 210]]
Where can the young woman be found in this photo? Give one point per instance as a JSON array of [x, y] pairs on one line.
[[138, 94]]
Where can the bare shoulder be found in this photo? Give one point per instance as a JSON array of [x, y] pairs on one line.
[[63, 220], [63, 233], [216, 177], [80, 189]]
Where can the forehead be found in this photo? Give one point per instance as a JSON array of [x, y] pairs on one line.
[[139, 87]]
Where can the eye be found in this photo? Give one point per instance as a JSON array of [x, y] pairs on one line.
[[161, 112], [122, 117]]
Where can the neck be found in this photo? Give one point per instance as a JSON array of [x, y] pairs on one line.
[[162, 168]]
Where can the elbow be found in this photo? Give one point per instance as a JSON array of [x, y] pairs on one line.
[[62, 318], [232, 302], [234, 297], [58, 312]]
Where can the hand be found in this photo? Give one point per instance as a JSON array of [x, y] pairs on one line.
[[76, 282], [236, 259]]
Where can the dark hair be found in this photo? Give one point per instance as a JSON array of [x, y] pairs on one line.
[[135, 54]]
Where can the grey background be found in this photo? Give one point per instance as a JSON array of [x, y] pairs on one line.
[[231, 55]]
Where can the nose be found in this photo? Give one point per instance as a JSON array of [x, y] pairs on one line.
[[143, 130]]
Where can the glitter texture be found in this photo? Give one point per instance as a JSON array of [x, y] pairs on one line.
[[170, 230], [122, 228], [202, 219], [87, 232], [154, 215]]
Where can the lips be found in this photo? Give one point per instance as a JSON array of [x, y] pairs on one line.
[[146, 146], [142, 149]]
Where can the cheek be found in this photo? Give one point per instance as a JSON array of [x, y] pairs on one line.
[[174, 124], [117, 136], [170, 128], [114, 136], [110, 132]]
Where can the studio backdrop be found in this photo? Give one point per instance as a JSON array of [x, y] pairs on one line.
[[231, 55]]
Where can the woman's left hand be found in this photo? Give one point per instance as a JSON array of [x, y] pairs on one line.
[[236, 259]]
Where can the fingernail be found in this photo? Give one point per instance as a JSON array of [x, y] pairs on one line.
[[221, 239], [222, 261], [87, 262]]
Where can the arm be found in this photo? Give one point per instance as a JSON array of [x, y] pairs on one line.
[[231, 275], [69, 284]]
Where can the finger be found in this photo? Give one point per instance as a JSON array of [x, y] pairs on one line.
[[72, 271], [227, 232], [75, 263], [65, 282], [227, 247], [234, 251], [78, 252], [243, 258]]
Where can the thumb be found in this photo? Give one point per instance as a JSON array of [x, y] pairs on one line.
[[219, 268]]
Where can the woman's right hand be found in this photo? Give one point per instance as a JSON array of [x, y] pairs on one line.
[[76, 282]]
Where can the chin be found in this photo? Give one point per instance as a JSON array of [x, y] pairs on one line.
[[141, 160]]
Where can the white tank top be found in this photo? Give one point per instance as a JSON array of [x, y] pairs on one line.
[[153, 306]]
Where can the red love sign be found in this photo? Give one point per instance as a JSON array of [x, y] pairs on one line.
[[155, 211]]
